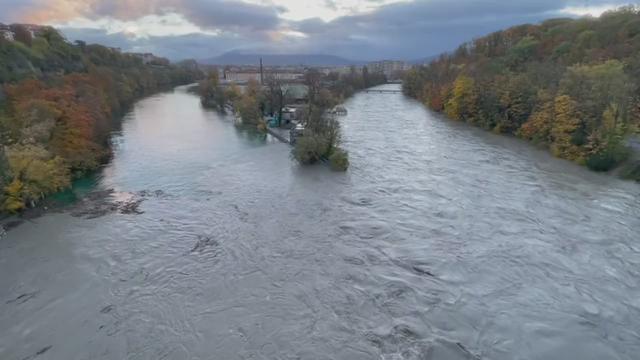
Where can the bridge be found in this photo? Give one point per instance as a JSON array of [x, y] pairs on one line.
[[384, 91]]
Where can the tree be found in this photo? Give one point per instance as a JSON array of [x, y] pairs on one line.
[[571, 84], [249, 109], [515, 105], [566, 124], [523, 51], [463, 102], [57, 106], [322, 135], [38, 172], [595, 87], [233, 93], [310, 149], [339, 160], [275, 95], [365, 76], [607, 147], [13, 199], [538, 126], [22, 34], [212, 95]]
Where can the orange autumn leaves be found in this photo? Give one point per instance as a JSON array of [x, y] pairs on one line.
[[77, 108], [55, 131]]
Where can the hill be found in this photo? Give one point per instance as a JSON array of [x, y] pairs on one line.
[[572, 85], [238, 58], [58, 102]]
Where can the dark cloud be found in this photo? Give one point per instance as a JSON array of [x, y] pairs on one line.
[[196, 46], [404, 30], [223, 15], [234, 15], [420, 28]]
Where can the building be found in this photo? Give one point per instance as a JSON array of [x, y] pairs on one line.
[[296, 94], [241, 76], [345, 70], [286, 75]]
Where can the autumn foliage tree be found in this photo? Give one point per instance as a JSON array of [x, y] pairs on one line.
[[569, 84], [57, 104]]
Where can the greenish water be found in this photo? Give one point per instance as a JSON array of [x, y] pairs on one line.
[[80, 188], [200, 240]]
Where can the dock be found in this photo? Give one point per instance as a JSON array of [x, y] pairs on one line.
[[280, 134]]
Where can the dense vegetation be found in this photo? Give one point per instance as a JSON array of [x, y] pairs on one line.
[[57, 105], [322, 135], [321, 138], [572, 85]]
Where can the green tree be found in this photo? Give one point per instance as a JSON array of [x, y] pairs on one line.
[[249, 109], [212, 95], [515, 104], [607, 146]]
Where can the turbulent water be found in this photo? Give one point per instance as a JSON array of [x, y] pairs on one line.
[[441, 242]]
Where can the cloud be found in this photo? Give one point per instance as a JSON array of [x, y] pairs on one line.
[[421, 28], [227, 15], [197, 46], [231, 15], [204, 28]]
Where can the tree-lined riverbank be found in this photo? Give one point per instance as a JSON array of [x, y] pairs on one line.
[[58, 105], [570, 85]]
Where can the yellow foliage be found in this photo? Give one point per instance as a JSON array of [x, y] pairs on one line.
[[567, 122], [538, 127], [37, 172], [463, 101], [13, 197]]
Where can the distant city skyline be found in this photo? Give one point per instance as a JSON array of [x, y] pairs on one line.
[[361, 30]]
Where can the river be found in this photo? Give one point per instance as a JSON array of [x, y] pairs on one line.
[[442, 241]]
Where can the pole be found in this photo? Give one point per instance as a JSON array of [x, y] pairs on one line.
[[261, 73]]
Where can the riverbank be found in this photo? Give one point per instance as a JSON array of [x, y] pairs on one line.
[[65, 138], [58, 104], [554, 91]]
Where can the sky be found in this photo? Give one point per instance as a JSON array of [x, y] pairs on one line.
[[355, 29]]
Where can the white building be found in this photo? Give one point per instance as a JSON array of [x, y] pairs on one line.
[[241, 77]]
